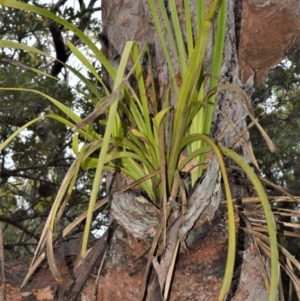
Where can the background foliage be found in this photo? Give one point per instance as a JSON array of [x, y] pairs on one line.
[[280, 99], [34, 164]]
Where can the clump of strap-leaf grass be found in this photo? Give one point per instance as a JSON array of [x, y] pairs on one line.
[[136, 142]]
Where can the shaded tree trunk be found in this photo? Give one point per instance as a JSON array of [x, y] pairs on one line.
[[250, 47]]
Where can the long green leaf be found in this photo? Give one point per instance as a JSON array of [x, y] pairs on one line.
[[91, 135], [83, 59], [202, 121], [269, 218], [188, 88], [216, 62], [142, 92], [111, 123], [200, 9], [93, 162], [17, 132], [189, 29], [231, 223], [73, 116], [179, 38], [81, 77], [163, 41], [4, 44]]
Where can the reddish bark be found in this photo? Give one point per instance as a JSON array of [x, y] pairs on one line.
[[198, 274], [269, 29]]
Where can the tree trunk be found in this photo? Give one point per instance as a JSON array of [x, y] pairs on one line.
[[258, 33]]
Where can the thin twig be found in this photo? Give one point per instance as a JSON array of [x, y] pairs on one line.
[[99, 272]]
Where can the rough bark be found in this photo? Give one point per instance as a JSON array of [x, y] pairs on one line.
[[258, 33], [269, 28]]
